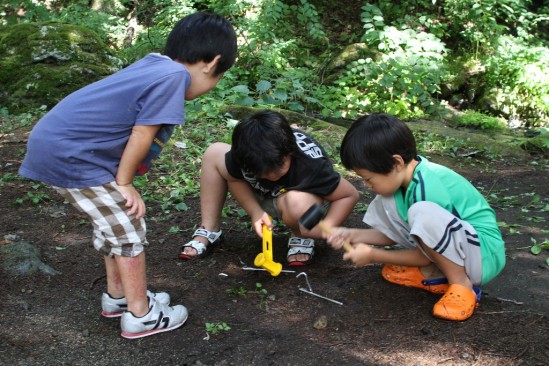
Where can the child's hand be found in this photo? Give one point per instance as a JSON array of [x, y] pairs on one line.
[[337, 236], [361, 255], [133, 201], [258, 224]]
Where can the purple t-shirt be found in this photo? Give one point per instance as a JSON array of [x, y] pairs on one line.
[[79, 143]]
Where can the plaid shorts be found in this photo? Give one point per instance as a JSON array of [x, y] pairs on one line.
[[114, 232]]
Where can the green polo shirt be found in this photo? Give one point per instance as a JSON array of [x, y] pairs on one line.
[[441, 185]]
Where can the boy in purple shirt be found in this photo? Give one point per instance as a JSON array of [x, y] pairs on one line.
[[91, 145]]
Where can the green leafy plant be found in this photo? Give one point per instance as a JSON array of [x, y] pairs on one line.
[[536, 248], [8, 177], [403, 79], [262, 293], [241, 291], [516, 74], [175, 230], [9, 122], [35, 196], [217, 327], [34, 12]]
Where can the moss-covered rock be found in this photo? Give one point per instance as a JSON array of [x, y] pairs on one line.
[[40, 63], [504, 143]]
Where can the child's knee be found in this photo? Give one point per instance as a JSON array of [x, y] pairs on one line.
[[293, 204], [216, 150]]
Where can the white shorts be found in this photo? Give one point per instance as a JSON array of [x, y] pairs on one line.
[[437, 228]]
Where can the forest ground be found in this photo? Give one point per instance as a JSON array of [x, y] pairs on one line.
[[54, 319]]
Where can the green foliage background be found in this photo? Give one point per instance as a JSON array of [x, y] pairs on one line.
[[286, 47], [404, 55]]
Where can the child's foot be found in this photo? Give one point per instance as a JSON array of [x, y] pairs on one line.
[[301, 251], [458, 303], [413, 277], [114, 308], [196, 248], [160, 318]]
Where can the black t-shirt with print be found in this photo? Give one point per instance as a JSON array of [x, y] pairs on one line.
[[310, 171]]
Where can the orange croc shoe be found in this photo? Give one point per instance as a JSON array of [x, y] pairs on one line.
[[458, 303], [412, 276]]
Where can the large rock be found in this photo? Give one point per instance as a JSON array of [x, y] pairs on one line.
[[21, 258], [40, 63]]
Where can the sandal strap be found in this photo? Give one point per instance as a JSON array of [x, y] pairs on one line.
[[300, 246], [212, 236], [196, 245], [301, 242]]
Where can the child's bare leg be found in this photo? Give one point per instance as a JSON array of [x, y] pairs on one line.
[[460, 299], [114, 282], [431, 271], [213, 190], [454, 273], [429, 220], [292, 205], [132, 272]]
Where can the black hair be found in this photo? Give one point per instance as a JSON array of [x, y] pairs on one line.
[[371, 142], [200, 37], [261, 142]]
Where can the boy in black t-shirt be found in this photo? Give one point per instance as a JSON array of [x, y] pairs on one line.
[[270, 169]]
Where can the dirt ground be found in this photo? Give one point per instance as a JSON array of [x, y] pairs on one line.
[[54, 319]]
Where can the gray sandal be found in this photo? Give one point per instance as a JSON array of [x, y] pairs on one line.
[[300, 246], [214, 239]]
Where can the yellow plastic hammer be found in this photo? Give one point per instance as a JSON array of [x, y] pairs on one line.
[[265, 259]]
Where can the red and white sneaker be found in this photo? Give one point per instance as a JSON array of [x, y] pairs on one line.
[[160, 318], [114, 308]]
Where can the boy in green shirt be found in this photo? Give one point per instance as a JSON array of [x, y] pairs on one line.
[[451, 238]]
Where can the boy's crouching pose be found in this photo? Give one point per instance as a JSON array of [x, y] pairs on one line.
[[272, 170], [453, 243]]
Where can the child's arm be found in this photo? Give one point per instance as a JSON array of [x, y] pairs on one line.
[[342, 201], [365, 254], [339, 235], [245, 196], [136, 149]]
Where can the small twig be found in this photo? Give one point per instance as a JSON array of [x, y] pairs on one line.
[[537, 320], [509, 300], [503, 312], [339, 344], [522, 352], [445, 360], [470, 153], [498, 354]]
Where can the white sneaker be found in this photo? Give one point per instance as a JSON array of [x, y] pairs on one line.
[[160, 318], [114, 308]]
